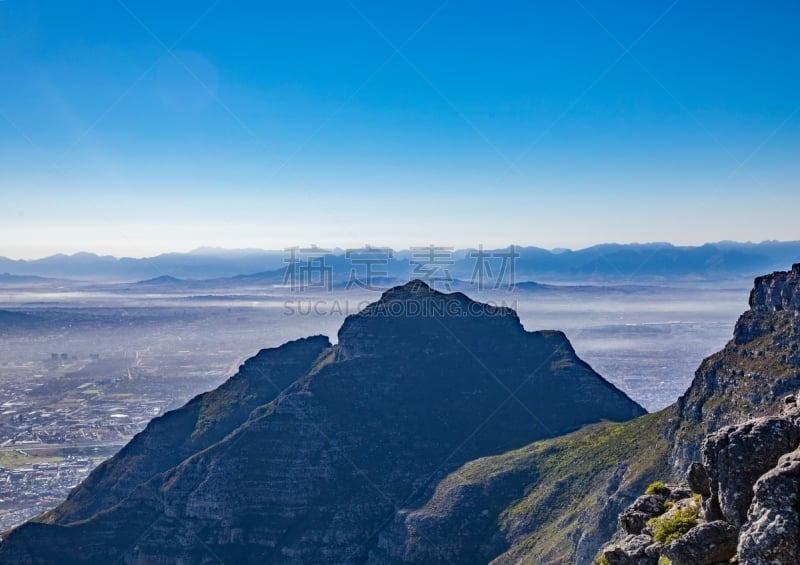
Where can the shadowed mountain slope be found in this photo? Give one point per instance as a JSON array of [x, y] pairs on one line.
[[557, 501], [419, 383]]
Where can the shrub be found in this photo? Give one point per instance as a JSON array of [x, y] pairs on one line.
[[668, 528], [657, 487], [601, 560]]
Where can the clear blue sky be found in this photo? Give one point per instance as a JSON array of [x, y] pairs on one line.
[[132, 127]]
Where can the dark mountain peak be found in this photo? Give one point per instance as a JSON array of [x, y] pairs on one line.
[[416, 317], [416, 290], [307, 456], [412, 287]]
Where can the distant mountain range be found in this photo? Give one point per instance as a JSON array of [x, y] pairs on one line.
[[396, 446], [617, 262]]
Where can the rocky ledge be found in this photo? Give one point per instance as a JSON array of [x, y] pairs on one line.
[[751, 375], [740, 505], [778, 291]]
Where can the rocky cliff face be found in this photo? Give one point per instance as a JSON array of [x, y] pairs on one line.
[[737, 419], [314, 454], [745, 508], [752, 374], [778, 292]]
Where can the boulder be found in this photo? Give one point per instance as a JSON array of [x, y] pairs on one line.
[[736, 456], [631, 550], [772, 531], [634, 518], [697, 477], [708, 543], [678, 491]]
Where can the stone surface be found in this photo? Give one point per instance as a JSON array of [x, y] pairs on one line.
[[634, 518], [777, 292], [697, 478], [736, 456], [772, 531], [631, 550], [705, 544], [678, 491]]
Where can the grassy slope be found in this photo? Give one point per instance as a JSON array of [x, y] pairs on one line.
[[579, 476], [540, 499], [577, 484]]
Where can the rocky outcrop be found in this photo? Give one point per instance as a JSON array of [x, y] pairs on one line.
[[320, 469], [631, 550], [772, 531], [698, 480], [772, 298], [749, 482], [677, 530], [705, 544], [671, 512], [635, 517], [751, 375], [736, 456], [777, 292]]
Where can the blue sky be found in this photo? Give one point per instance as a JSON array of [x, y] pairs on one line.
[[133, 128]]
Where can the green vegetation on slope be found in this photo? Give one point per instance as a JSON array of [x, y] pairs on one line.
[[543, 496], [670, 527], [577, 474], [656, 487]]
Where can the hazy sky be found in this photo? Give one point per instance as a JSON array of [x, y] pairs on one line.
[[134, 127]]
